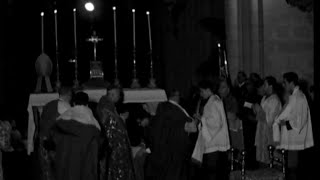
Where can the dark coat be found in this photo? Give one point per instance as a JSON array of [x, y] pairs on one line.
[[170, 144], [76, 150]]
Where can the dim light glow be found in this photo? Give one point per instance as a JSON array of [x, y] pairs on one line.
[[219, 45], [89, 6], [147, 12], [133, 10], [74, 10], [42, 14], [114, 8], [55, 11]]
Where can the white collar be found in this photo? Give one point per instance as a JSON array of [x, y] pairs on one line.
[[295, 90]]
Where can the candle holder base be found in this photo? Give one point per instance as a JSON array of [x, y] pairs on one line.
[[117, 83], [58, 85], [135, 83], [76, 84], [152, 83]]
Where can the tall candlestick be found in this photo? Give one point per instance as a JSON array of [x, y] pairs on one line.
[[134, 27], [116, 80], [42, 33], [75, 82], [58, 83], [115, 25], [56, 28], [149, 28], [75, 30]]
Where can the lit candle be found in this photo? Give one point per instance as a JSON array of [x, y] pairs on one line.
[[149, 28], [114, 26], [134, 27], [75, 30], [42, 32], [56, 28]]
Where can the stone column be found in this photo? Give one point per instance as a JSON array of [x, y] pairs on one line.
[[232, 37], [244, 30]]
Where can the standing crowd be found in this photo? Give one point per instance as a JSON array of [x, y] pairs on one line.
[[181, 139]]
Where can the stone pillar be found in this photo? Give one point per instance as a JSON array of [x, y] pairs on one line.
[[244, 31], [232, 37]]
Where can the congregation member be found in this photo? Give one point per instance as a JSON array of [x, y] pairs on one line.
[[213, 139], [76, 134], [231, 108], [295, 126], [116, 163], [169, 154], [240, 85], [266, 113], [246, 114], [50, 112]]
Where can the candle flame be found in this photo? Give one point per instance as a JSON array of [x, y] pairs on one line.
[[133, 10], [114, 8], [218, 44], [147, 12], [42, 14], [55, 11], [74, 10]]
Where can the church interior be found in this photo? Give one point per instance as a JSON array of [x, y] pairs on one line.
[[150, 48]]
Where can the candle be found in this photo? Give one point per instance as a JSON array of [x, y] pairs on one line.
[[56, 28], [134, 27], [75, 30], [42, 31], [114, 26], [149, 28]]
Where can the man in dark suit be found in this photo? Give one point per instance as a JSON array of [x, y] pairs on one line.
[[170, 141]]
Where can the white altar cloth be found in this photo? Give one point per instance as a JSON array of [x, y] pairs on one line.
[[130, 96]]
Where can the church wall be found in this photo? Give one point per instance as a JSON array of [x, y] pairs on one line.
[[268, 37], [288, 40]]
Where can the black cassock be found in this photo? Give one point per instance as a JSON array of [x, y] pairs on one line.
[[170, 144]]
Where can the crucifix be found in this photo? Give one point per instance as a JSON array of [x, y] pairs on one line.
[[95, 66], [95, 40]]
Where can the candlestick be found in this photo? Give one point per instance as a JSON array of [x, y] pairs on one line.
[[114, 25], [58, 83], [56, 28], [149, 28], [75, 82], [116, 80], [75, 29], [42, 33], [134, 27]]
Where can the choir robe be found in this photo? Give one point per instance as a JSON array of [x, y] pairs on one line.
[[170, 142], [76, 134]]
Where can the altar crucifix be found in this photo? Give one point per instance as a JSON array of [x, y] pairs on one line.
[[95, 66]]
